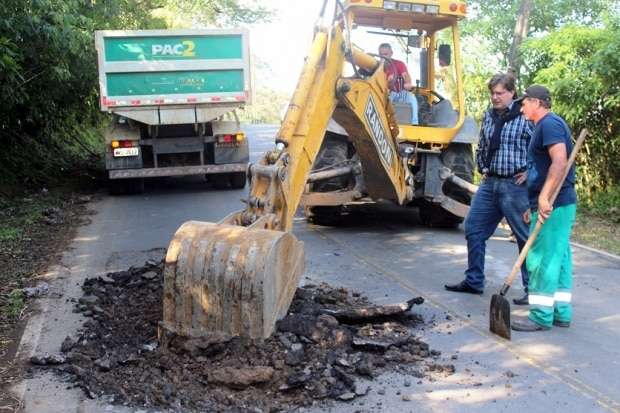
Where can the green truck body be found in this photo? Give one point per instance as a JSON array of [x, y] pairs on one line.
[[169, 92]]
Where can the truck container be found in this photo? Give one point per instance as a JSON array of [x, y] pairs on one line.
[[172, 95]]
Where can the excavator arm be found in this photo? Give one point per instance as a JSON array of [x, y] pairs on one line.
[[237, 277]]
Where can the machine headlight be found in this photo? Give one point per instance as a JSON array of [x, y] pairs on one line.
[[389, 5]]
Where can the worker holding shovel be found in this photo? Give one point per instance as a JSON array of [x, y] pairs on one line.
[[549, 261]]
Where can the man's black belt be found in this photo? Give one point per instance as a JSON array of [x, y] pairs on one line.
[[492, 175]]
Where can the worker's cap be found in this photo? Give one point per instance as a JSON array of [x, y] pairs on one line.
[[537, 92]]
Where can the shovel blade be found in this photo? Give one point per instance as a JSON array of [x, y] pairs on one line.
[[499, 322]]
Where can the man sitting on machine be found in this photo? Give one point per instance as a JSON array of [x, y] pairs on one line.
[[399, 81]]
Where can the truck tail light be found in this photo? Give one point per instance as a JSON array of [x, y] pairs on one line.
[[226, 139], [240, 137], [124, 144]]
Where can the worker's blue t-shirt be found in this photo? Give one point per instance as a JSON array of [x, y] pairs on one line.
[[550, 130]]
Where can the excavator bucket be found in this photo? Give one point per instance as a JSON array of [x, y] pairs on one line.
[[228, 279]]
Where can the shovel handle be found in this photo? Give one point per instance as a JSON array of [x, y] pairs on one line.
[[571, 160]]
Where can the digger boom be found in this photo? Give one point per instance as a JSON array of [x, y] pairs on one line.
[[237, 277]]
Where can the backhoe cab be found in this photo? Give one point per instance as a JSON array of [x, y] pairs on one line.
[[438, 150], [341, 142]]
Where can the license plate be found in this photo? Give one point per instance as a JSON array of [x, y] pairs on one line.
[[126, 152]]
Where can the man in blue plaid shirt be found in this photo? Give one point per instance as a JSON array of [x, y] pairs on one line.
[[502, 161]]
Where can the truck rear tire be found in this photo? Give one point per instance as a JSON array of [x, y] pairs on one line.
[[233, 180], [220, 181], [129, 186], [238, 180]]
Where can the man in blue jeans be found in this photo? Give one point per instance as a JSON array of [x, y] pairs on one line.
[[502, 161]]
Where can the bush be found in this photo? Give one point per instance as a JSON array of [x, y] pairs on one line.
[[581, 67], [603, 204]]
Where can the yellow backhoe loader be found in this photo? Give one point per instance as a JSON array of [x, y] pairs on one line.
[[342, 141]]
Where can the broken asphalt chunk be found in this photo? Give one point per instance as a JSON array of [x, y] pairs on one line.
[[241, 378], [48, 359], [364, 314]]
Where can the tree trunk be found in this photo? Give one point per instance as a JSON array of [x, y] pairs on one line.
[[520, 33]]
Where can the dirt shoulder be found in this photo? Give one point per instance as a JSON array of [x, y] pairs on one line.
[[34, 231]]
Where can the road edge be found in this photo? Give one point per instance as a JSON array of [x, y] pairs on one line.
[[33, 330], [596, 251]]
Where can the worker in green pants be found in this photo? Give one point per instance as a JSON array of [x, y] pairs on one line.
[[549, 260]]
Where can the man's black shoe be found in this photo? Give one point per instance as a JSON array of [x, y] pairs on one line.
[[462, 287], [559, 323], [526, 324], [521, 301]]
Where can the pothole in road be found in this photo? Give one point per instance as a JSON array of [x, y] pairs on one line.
[[331, 345]]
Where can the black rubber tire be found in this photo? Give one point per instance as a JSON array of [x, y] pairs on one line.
[[434, 216], [334, 150], [324, 215], [238, 180], [220, 181], [130, 186]]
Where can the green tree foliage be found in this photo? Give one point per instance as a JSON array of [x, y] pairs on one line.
[[581, 67], [48, 81], [478, 67], [495, 19], [48, 73], [214, 12]]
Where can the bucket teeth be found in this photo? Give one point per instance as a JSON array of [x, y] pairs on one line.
[[229, 279]]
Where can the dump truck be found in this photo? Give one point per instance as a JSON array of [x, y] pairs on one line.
[[172, 95], [341, 141]]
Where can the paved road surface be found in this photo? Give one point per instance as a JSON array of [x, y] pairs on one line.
[[389, 258]]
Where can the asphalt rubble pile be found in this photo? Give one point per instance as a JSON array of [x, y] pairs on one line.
[[330, 346]]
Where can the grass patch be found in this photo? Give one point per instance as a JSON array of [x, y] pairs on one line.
[[9, 234], [597, 231], [22, 224], [14, 305], [598, 220]]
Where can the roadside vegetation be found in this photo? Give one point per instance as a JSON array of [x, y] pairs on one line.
[[30, 229], [598, 224]]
